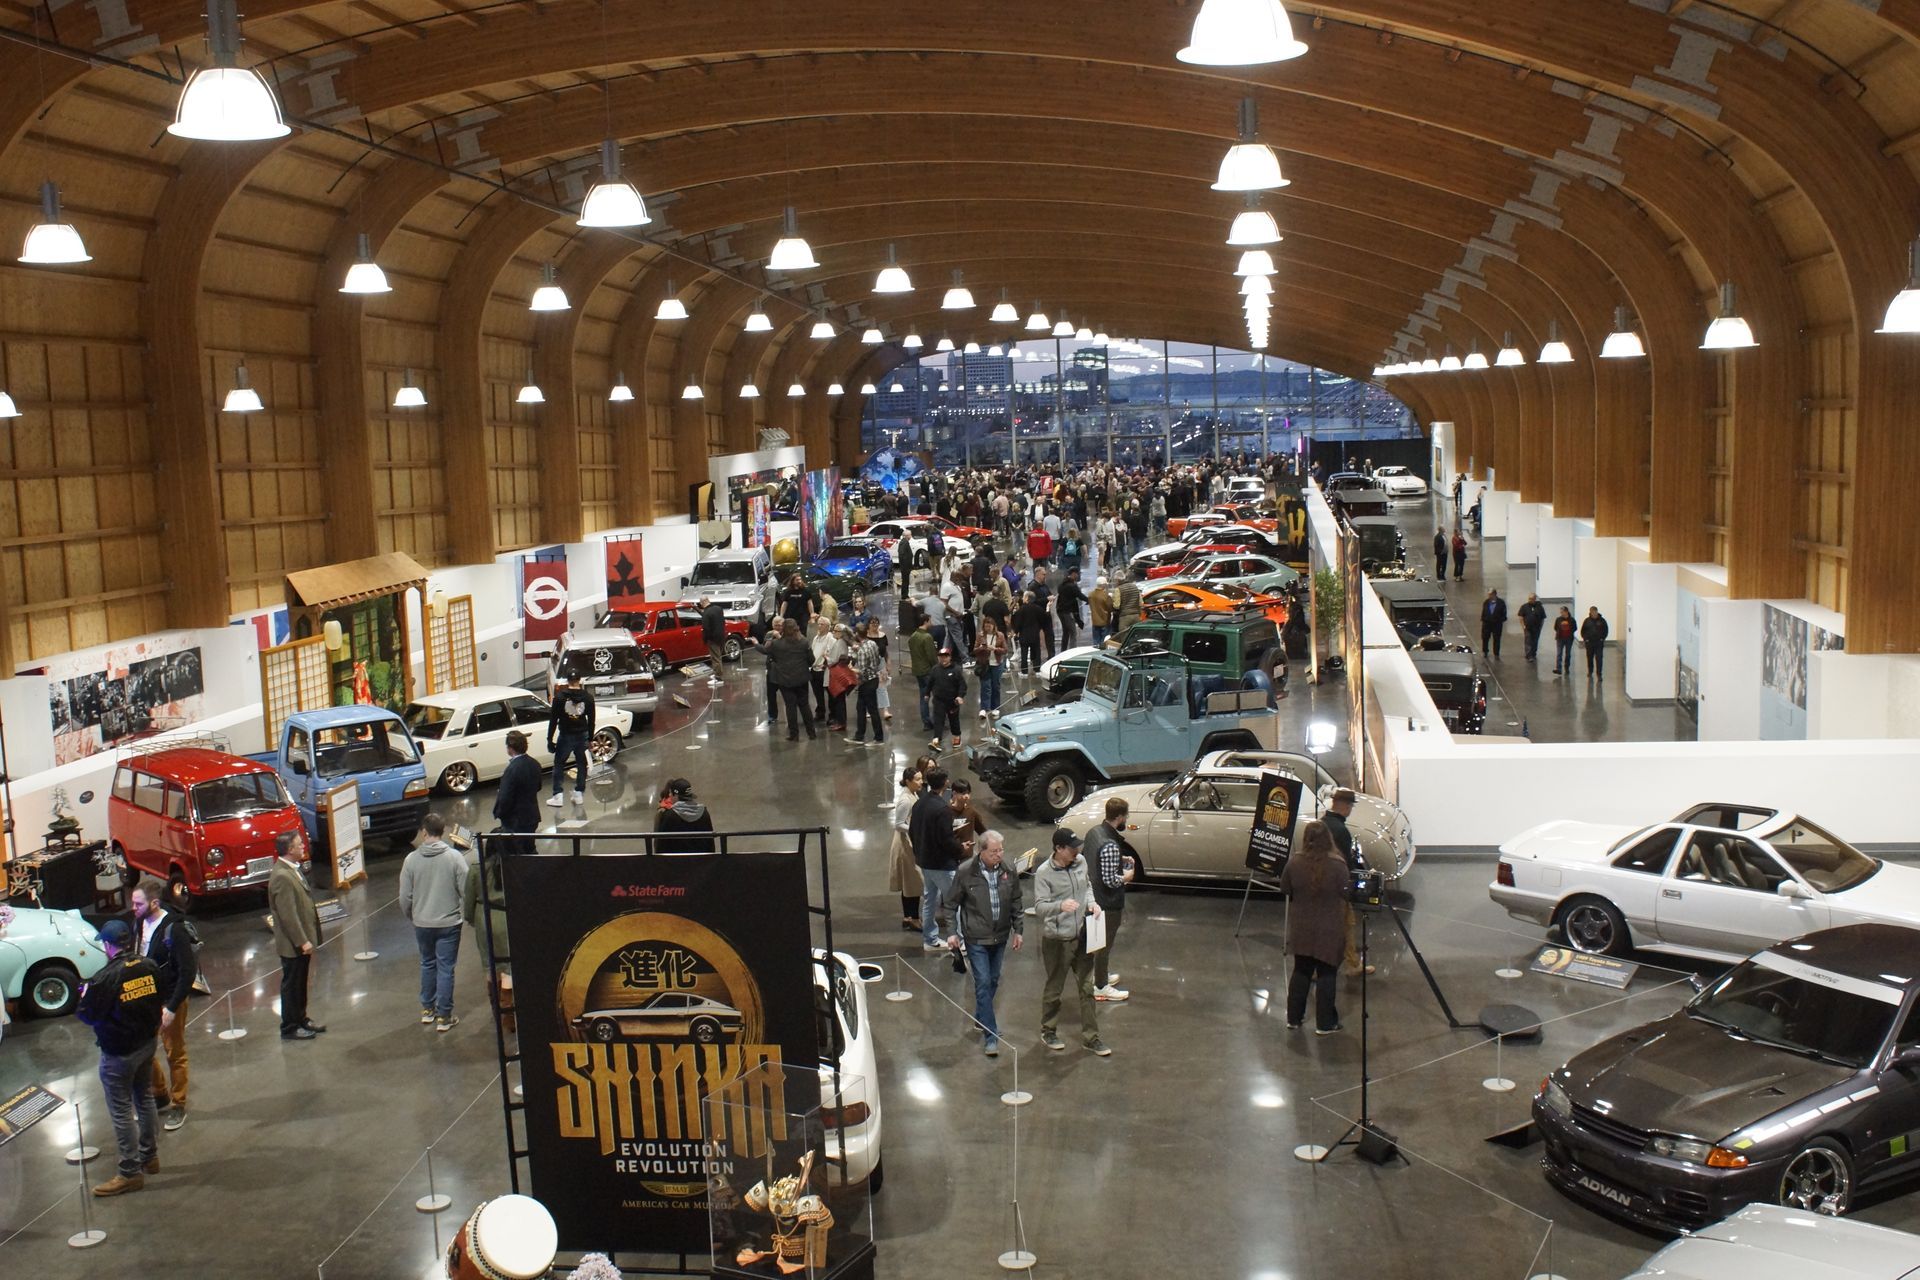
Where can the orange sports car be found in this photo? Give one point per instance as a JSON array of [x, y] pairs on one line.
[[1221, 598], [1242, 513]]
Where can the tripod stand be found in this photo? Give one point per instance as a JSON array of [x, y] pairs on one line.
[[1369, 1141]]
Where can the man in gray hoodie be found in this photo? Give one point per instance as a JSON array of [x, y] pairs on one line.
[[433, 889]]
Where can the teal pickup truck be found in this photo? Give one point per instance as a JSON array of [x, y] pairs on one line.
[[321, 750]]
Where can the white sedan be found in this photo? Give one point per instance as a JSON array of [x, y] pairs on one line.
[[463, 732], [1769, 1242], [850, 1104], [889, 532], [1719, 882], [1399, 482]]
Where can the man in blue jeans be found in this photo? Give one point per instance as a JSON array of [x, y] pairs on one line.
[[433, 893], [937, 852], [123, 1004], [985, 901], [569, 728]]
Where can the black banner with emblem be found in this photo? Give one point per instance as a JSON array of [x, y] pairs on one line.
[[1276, 809], [641, 983]]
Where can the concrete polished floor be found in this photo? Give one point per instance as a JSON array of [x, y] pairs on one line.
[[1171, 1157]]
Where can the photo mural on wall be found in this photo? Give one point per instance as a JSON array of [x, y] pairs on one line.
[[371, 667], [99, 701], [1785, 641]]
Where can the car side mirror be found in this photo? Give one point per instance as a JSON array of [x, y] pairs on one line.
[[1793, 889], [300, 766], [1697, 982], [872, 973]]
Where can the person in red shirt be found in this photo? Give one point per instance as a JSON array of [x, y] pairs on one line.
[[1039, 545]]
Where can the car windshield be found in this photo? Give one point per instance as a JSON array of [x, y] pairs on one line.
[[847, 551], [240, 796], [1824, 861], [1103, 681], [428, 722], [1768, 1004], [359, 748], [723, 573], [1164, 793]]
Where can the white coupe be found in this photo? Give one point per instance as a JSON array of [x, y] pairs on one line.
[[1399, 482], [889, 532], [1719, 882], [463, 732], [1768, 1242], [851, 1112]]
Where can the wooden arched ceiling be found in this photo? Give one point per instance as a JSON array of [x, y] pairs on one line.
[[1459, 173]]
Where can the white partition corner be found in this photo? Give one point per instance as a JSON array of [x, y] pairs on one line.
[[1523, 532], [1493, 511], [1553, 579], [1650, 632], [1730, 649]]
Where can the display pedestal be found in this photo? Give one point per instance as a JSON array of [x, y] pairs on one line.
[[851, 1259]]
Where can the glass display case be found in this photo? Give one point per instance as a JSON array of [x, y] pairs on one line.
[[787, 1190]]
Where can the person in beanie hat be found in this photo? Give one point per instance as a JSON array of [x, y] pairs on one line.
[[123, 1004]]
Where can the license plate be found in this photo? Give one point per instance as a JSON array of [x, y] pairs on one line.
[[1606, 1191], [366, 821]]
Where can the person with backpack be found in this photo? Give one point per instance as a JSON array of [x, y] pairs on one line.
[[172, 943], [123, 1004]]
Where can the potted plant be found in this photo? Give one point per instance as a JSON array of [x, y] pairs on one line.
[[1329, 613]]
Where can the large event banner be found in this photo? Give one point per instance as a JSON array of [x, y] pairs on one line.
[[642, 983], [543, 602], [1270, 843], [626, 572]]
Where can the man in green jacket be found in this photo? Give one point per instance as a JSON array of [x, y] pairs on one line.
[[923, 655], [1063, 900], [296, 932]]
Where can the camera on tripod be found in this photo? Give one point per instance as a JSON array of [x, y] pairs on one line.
[[1368, 892]]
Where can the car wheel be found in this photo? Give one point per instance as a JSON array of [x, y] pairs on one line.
[[52, 989], [603, 1030], [458, 777], [731, 649], [704, 1030], [1053, 787], [656, 662], [605, 746], [1595, 926], [179, 894], [1819, 1179], [878, 1177], [129, 874]]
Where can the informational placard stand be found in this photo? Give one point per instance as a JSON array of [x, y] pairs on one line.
[[343, 835]]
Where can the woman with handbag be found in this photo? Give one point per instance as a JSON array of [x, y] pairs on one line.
[[903, 873], [841, 680], [989, 661]]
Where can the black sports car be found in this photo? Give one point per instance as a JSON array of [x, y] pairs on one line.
[[1793, 1079]]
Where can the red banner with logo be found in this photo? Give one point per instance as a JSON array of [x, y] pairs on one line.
[[626, 582], [543, 603]]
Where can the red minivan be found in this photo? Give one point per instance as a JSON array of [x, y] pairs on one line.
[[202, 820]]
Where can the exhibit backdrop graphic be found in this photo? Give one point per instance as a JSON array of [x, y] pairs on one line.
[[664, 978], [626, 575], [822, 511], [1786, 639], [96, 700], [543, 601], [1686, 654]]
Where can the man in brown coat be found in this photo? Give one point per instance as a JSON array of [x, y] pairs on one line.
[[296, 932], [1315, 879]]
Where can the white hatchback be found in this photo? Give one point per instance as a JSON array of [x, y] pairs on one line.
[[463, 732], [1399, 482]]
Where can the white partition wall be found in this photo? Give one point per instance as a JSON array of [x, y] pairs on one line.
[[1553, 576], [1730, 651], [1493, 512], [1523, 532], [1441, 452], [1597, 579], [1649, 632]]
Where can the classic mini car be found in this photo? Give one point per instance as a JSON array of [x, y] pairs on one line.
[[328, 747], [204, 821], [1793, 1079], [1716, 882], [673, 1015], [1138, 716], [1254, 572], [914, 530], [1772, 1242], [859, 558], [1196, 826], [1399, 482], [463, 732], [850, 1102], [45, 956], [614, 669], [670, 633]]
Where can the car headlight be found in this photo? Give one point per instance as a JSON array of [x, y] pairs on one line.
[[216, 856], [1554, 1098], [1693, 1151]]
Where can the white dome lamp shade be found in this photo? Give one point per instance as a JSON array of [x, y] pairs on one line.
[[1250, 285], [758, 322], [670, 308], [692, 391], [530, 392], [945, 344], [242, 398], [873, 337], [1004, 312], [893, 277], [822, 329], [1429, 365], [1510, 356], [971, 349], [796, 390], [1253, 226], [1101, 340], [1450, 363], [613, 201], [1249, 165], [1555, 351], [1475, 359], [1062, 328], [897, 389], [225, 102], [912, 342], [959, 297], [1083, 334], [1903, 313], [868, 389], [997, 350], [53, 243], [791, 252], [836, 389], [620, 392], [1037, 321], [407, 395], [1240, 33], [1623, 343], [749, 392], [365, 275], [1728, 332], [549, 296], [1255, 262]]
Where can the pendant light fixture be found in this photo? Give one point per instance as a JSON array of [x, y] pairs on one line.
[[1249, 165], [1062, 328], [1004, 311], [408, 396], [1101, 340], [835, 389], [670, 308], [1510, 356], [791, 252], [795, 391], [971, 349], [549, 296], [1037, 321], [893, 277], [1474, 360], [749, 392], [1903, 313], [1083, 334], [1255, 262], [365, 275], [822, 329], [912, 342], [530, 392], [620, 392], [225, 102], [692, 391], [945, 344], [242, 398], [613, 201], [1623, 343], [1728, 332], [1255, 284], [1429, 365], [1450, 363], [997, 350], [868, 389], [1253, 226], [1555, 351], [959, 297], [944, 388], [1240, 33], [758, 322], [873, 337], [53, 243], [897, 389]]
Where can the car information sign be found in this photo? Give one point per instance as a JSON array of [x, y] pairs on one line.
[[1604, 971], [25, 1108]]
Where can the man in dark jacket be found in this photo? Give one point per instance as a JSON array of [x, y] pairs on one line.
[[123, 1004], [516, 805], [1066, 606], [1110, 866], [946, 687], [1440, 554], [1533, 620], [680, 812], [1042, 592], [936, 851], [985, 901], [1593, 635], [1493, 623], [713, 631], [569, 728], [160, 936], [1339, 806], [789, 670], [296, 933]]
